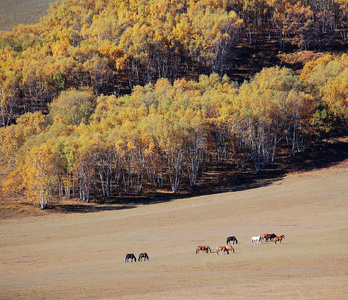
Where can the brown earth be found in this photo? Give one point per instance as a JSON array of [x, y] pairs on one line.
[[81, 256]]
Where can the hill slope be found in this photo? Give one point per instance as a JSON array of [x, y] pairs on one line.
[[14, 12], [81, 256]]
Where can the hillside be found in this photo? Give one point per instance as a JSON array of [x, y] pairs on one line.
[[114, 100], [80, 256], [14, 12], [113, 46], [219, 180]]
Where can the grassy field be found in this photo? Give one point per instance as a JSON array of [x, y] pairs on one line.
[[14, 12], [81, 256]]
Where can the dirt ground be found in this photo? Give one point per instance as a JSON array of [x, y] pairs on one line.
[[82, 256]]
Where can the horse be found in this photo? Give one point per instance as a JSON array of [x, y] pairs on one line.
[[222, 249], [230, 248], [231, 239], [270, 237], [266, 237], [203, 248], [143, 256], [207, 249], [256, 239], [279, 239], [130, 256]]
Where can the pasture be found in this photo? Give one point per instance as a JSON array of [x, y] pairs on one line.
[[82, 256], [14, 12]]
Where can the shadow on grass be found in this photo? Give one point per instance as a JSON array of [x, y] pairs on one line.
[[88, 208], [220, 179]]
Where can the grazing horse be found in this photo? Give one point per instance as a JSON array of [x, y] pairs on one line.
[[230, 248], [231, 239], [270, 237], [130, 256], [203, 248], [207, 249], [279, 239], [143, 256], [222, 249], [256, 239]]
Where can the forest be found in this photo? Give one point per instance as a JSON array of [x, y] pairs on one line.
[[108, 98]]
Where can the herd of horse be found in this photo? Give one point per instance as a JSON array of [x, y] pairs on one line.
[[232, 239], [220, 249], [131, 257], [266, 238]]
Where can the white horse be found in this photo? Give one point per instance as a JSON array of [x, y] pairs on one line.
[[256, 239]]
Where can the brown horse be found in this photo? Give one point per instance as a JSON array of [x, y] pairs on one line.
[[279, 239], [267, 237], [207, 248], [222, 249], [230, 248], [204, 248]]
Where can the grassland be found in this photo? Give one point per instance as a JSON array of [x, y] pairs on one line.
[[14, 12], [81, 256]]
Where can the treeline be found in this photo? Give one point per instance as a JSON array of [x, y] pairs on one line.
[[112, 46], [164, 134]]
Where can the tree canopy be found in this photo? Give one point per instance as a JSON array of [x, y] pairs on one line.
[[164, 134], [112, 46], [116, 97]]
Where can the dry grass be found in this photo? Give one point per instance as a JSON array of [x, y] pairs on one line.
[[14, 12], [81, 256]]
